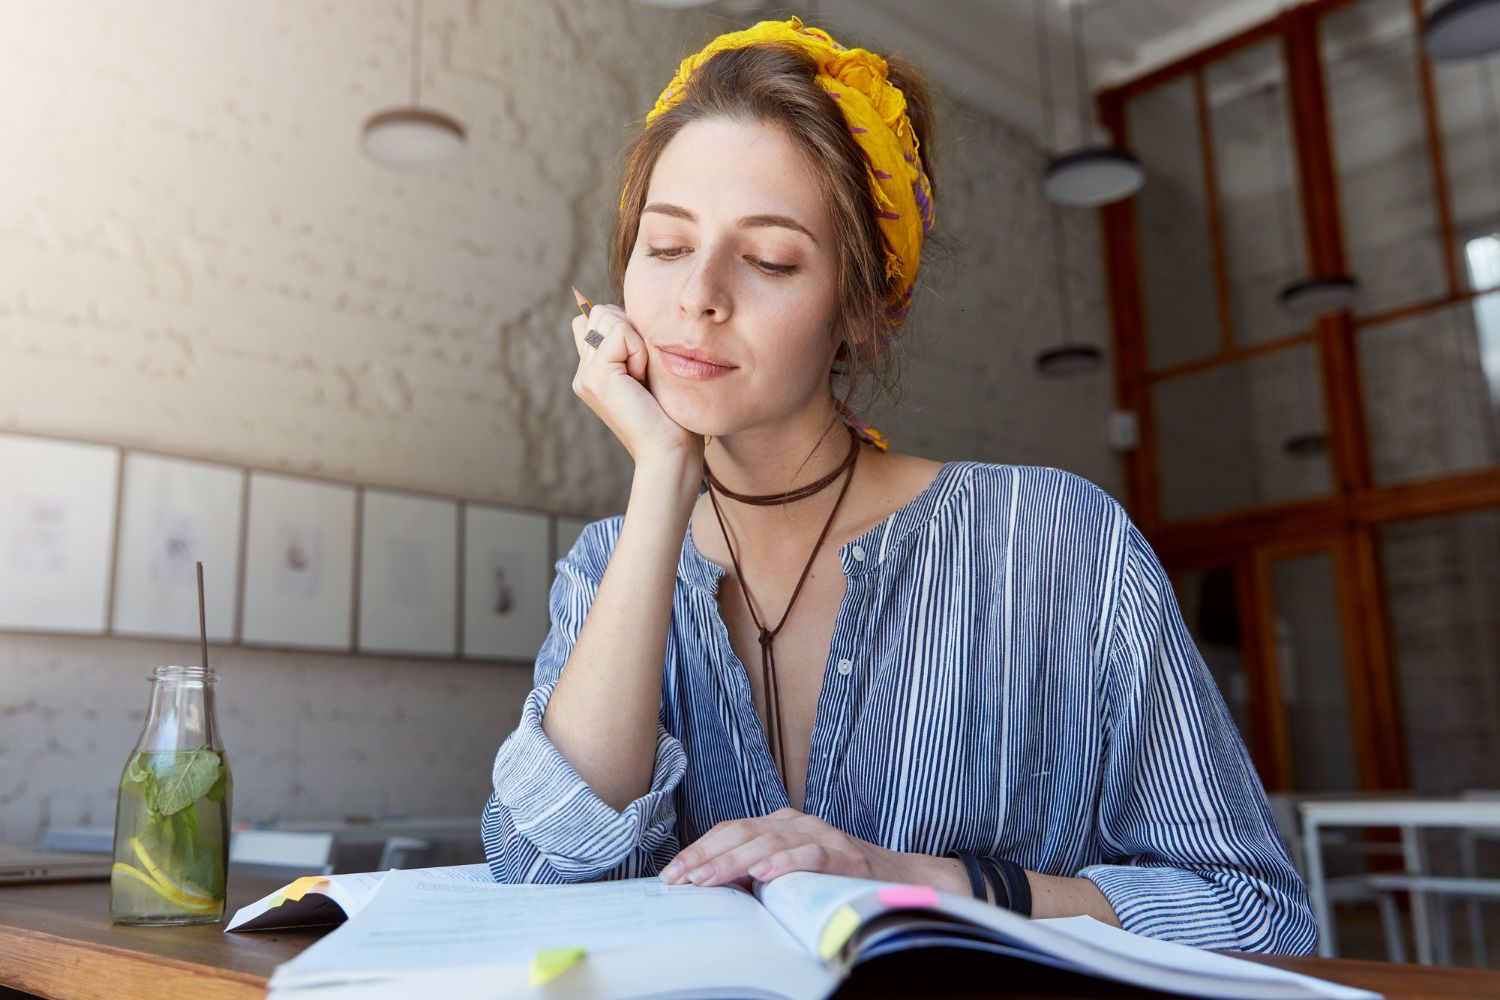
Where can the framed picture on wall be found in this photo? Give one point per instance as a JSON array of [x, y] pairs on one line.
[[507, 575], [57, 522], [408, 575], [299, 563], [173, 514]]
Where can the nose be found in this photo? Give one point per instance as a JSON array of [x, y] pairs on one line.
[[705, 290]]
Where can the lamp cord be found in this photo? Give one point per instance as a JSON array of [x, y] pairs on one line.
[[1059, 236], [416, 54], [1081, 75]]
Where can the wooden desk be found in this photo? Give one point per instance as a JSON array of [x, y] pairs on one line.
[[56, 941]]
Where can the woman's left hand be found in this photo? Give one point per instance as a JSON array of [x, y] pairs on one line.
[[768, 846]]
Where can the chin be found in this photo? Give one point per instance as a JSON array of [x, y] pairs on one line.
[[698, 414]]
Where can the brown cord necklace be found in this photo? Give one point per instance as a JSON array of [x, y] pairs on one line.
[[767, 657]]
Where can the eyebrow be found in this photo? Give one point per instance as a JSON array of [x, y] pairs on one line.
[[748, 222]]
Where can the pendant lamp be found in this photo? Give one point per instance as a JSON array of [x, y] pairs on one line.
[[1312, 442], [1092, 175], [1308, 296], [1069, 357], [1462, 29], [413, 137]]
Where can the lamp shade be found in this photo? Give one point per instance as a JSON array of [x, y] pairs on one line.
[[1306, 445], [1068, 360], [413, 138], [1092, 176], [1319, 295], [1462, 29]]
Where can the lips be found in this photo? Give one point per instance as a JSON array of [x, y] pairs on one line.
[[688, 367], [692, 354]]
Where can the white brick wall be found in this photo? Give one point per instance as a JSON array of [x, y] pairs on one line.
[[194, 258]]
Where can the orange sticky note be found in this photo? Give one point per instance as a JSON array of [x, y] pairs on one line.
[[908, 897], [303, 886]]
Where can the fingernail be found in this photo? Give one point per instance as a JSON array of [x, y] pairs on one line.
[[701, 875], [671, 872]]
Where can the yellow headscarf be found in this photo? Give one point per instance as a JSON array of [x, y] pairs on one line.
[[875, 110]]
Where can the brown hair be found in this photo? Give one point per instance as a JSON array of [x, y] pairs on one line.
[[774, 84]]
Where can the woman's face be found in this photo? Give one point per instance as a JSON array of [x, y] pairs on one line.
[[735, 259]]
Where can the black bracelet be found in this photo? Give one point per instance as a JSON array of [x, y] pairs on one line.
[[1018, 889], [971, 867], [1000, 889]]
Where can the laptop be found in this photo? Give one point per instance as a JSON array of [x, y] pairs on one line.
[[19, 864]]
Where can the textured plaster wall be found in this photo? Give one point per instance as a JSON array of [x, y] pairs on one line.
[[195, 259]]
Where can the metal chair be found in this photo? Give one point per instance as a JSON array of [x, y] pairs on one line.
[[404, 852], [280, 854], [1355, 888]]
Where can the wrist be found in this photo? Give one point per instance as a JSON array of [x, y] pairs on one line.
[[671, 478], [945, 874]]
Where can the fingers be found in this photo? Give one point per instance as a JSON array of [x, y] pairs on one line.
[[607, 321], [763, 848], [749, 858], [635, 355], [723, 837], [802, 858]]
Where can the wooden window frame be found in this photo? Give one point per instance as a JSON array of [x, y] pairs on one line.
[[1346, 521]]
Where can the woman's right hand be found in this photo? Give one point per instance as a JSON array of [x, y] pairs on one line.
[[611, 379]]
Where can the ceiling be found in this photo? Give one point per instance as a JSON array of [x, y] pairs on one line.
[[984, 52]]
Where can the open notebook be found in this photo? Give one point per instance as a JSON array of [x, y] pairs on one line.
[[455, 931]]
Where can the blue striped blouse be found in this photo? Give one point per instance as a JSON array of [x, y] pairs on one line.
[[1009, 673]]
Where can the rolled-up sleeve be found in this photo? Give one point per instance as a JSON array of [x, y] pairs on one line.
[[543, 823], [1195, 856]]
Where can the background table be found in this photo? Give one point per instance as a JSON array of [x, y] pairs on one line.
[[56, 940], [1411, 816]]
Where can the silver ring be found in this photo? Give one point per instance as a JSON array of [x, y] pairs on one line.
[[593, 339]]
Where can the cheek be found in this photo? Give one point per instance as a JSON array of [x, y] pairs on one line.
[[641, 299]]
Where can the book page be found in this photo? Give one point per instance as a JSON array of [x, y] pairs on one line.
[[805, 902], [356, 888], [636, 934], [329, 899], [826, 912]]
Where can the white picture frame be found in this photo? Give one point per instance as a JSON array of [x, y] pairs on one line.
[[174, 513], [299, 563], [507, 578], [408, 575], [57, 522]]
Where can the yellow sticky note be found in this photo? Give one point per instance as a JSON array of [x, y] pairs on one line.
[[840, 928], [549, 963], [303, 886]]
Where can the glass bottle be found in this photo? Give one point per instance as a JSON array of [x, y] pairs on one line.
[[172, 817]]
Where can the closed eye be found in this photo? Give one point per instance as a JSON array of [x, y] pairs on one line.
[[676, 253]]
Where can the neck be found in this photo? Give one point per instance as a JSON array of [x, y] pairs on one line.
[[759, 462], [765, 460]]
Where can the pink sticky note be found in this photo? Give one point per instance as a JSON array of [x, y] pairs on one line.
[[908, 897]]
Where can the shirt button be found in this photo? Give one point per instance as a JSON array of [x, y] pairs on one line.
[[858, 553], [845, 666]]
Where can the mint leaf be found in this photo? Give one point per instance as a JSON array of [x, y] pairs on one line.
[[138, 770], [221, 785], [141, 779], [184, 779]]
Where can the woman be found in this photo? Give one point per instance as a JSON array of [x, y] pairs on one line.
[[837, 658]]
